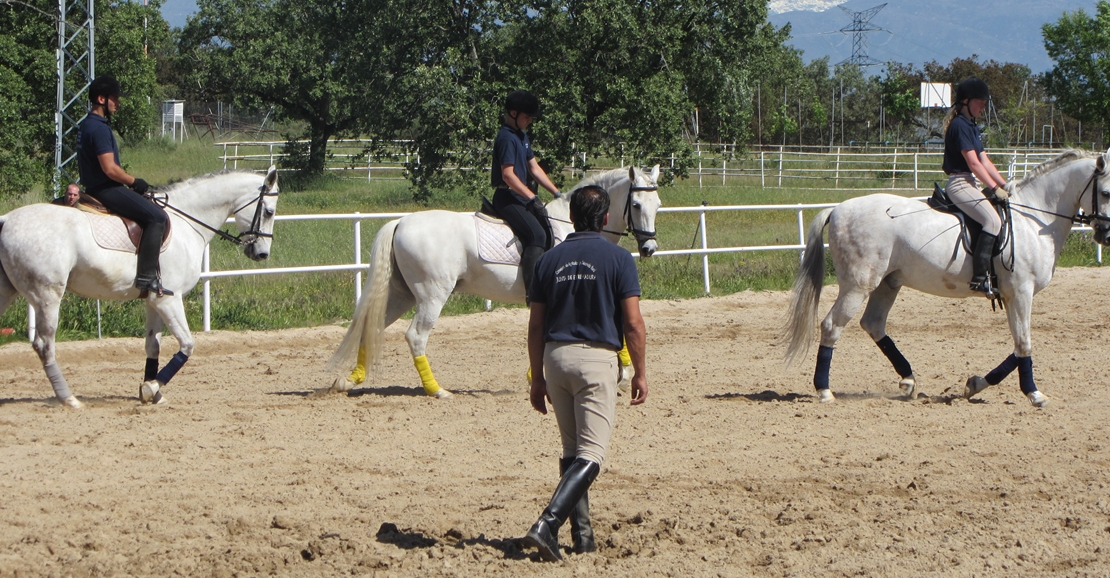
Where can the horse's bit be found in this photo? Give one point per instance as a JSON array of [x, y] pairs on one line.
[[250, 236]]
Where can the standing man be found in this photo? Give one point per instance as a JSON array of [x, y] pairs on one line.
[[513, 162], [69, 199], [119, 192], [585, 299]]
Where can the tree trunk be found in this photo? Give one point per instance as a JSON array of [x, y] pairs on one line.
[[318, 148]]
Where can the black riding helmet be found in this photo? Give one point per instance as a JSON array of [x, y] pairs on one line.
[[522, 101], [971, 88], [105, 86]]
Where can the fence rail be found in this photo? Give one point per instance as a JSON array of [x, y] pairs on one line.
[[718, 164]]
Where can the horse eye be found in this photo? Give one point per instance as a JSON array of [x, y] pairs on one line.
[[269, 213], [637, 205]]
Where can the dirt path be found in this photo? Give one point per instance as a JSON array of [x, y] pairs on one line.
[[731, 468]]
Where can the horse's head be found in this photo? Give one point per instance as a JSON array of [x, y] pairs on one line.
[[254, 218], [640, 208], [1100, 204]]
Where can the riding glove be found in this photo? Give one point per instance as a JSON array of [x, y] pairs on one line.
[[139, 186]]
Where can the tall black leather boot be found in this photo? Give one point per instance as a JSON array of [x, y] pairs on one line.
[[528, 260], [580, 529], [981, 264], [544, 534], [146, 278]]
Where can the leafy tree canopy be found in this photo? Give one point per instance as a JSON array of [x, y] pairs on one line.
[[1080, 79]]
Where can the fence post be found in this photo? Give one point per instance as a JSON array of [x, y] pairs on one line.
[[915, 171], [358, 257], [724, 171], [235, 163], [225, 155], [780, 165], [836, 182], [894, 170], [30, 323], [699, 165], [205, 268], [704, 245], [801, 235], [762, 174], [271, 154]]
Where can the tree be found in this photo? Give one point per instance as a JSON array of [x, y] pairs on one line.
[[124, 31], [1080, 79], [27, 96], [340, 67]]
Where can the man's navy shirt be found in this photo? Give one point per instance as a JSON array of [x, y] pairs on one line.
[[582, 282], [962, 135], [94, 138], [511, 147]]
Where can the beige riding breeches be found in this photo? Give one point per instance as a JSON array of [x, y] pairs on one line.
[[963, 191], [582, 387]]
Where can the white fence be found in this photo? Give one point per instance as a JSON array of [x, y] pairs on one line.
[[357, 266], [718, 164]]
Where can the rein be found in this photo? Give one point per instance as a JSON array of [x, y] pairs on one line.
[[641, 235], [248, 237], [1080, 219]]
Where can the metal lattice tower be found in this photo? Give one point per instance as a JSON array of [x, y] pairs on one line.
[[76, 69], [861, 25]]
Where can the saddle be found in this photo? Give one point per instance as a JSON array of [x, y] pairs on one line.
[[970, 229], [489, 210], [111, 231], [496, 241]]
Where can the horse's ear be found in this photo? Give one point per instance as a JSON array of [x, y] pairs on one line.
[[632, 175], [271, 178], [655, 174]]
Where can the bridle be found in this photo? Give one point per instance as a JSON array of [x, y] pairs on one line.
[[642, 236], [1083, 219], [250, 236]]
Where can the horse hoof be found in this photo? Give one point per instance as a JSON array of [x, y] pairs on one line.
[[825, 396], [341, 385], [908, 385], [1037, 398], [975, 384], [442, 394], [149, 393], [73, 402]]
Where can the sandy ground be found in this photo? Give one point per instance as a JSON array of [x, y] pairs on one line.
[[730, 469]]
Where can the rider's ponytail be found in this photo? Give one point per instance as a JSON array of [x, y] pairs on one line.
[[952, 112]]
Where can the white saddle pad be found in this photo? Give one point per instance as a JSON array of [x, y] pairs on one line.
[[110, 233], [496, 242]]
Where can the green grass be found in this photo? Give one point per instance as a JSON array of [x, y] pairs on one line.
[[272, 301]]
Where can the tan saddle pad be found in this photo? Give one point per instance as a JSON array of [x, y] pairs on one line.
[[114, 232], [496, 241]]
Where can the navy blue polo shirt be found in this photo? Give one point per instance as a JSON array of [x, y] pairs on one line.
[[511, 147], [962, 135], [94, 138], [582, 282]]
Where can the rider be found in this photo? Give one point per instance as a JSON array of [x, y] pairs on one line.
[[964, 160], [513, 162], [121, 193]]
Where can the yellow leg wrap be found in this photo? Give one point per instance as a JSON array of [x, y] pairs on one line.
[[431, 387], [359, 374], [623, 355]]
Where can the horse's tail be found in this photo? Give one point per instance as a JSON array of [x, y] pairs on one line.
[[802, 315], [364, 335]]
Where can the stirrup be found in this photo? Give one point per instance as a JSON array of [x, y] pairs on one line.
[[146, 286], [985, 287]]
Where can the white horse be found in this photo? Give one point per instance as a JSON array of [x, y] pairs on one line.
[[880, 243], [46, 250], [421, 259]]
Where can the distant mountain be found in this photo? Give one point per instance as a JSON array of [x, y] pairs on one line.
[[921, 31]]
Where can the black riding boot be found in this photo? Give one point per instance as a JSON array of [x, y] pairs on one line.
[[528, 267], [147, 279], [981, 264], [574, 484], [580, 529]]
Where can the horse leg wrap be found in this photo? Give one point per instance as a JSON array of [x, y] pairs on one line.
[[171, 368], [623, 355], [431, 386], [54, 374], [151, 370], [824, 361], [886, 344], [358, 375], [1025, 375], [1004, 369]]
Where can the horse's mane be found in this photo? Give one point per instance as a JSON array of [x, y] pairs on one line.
[[1048, 166], [606, 178], [192, 180]]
